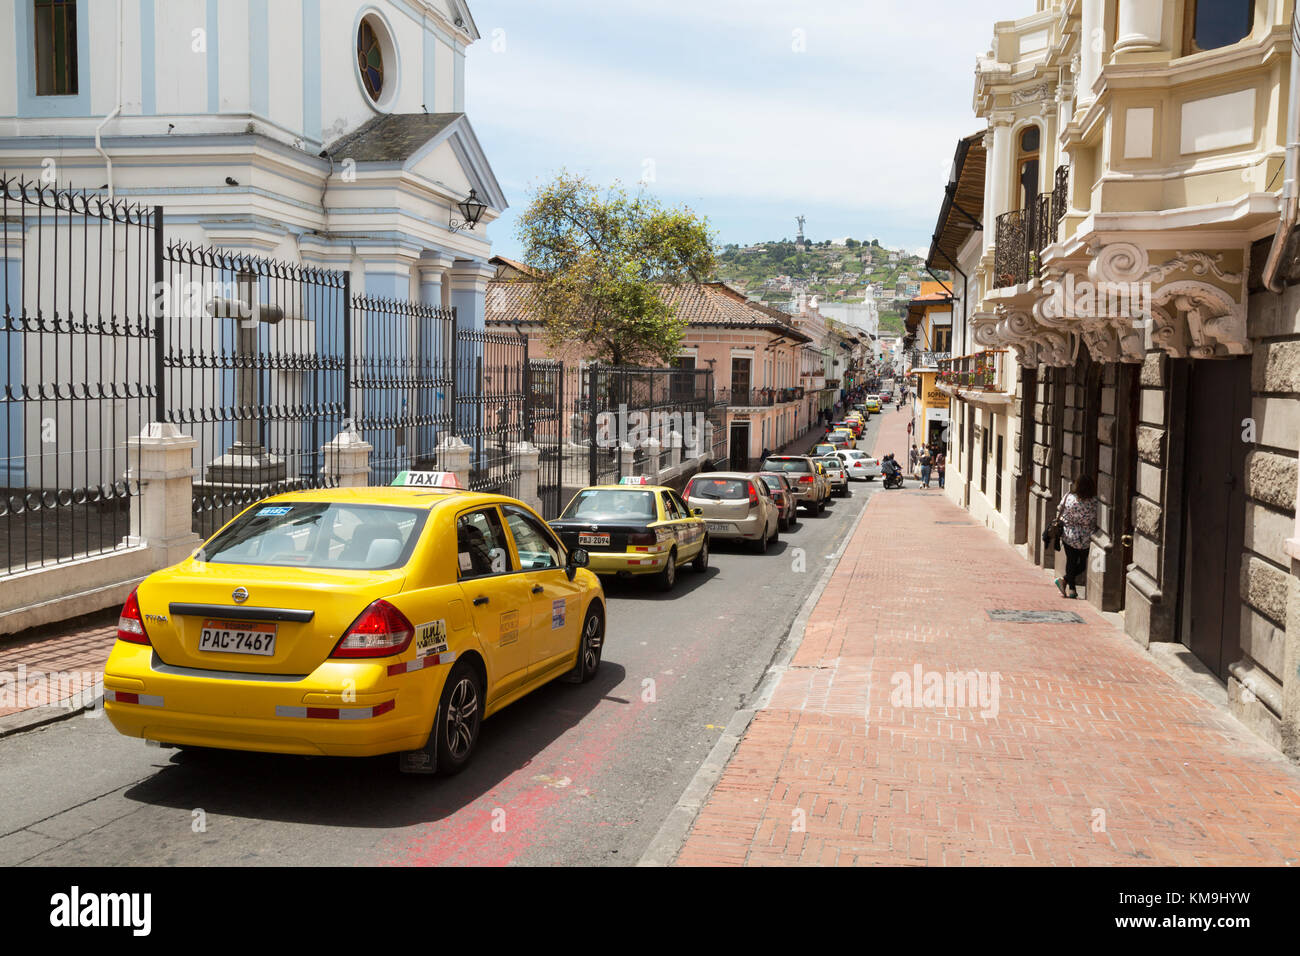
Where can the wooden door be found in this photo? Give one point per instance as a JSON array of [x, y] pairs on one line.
[[1215, 507]]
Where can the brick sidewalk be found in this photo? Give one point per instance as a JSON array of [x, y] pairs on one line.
[[76, 651], [1095, 756]]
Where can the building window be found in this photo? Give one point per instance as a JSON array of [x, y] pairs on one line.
[[56, 47], [1027, 165], [1212, 24], [740, 377], [370, 60]]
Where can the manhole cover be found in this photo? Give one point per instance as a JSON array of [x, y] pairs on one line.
[[1035, 617]]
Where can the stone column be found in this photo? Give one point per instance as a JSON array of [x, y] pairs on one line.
[[162, 514], [1091, 45], [1139, 26], [626, 459], [674, 449], [998, 175], [347, 459], [453, 455], [432, 268], [468, 291], [653, 453], [529, 457]]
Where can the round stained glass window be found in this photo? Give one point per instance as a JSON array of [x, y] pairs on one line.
[[370, 60]]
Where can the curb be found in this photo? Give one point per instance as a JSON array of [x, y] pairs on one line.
[[667, 843], [35, 717]]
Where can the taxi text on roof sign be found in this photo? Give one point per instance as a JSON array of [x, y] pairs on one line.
[[634, 480], [428, 479]]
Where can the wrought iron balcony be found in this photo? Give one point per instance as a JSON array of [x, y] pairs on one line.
[[981, 371], [1022, 234], [923, 358]]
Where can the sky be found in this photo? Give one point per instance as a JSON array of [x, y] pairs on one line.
[[750, 112]]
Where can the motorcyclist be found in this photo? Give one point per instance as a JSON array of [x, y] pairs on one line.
[[891, 468]]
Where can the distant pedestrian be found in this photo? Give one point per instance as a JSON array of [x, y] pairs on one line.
[[926, 464], [767, 453], [940, 465], [1077, 515], [912, 456]]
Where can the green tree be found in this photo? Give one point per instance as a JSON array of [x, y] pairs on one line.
[[602, 261], [851, 243]]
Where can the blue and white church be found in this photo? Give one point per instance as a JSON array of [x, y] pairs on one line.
[[329, 133]]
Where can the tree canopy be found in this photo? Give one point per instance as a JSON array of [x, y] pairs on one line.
[[602, 260]]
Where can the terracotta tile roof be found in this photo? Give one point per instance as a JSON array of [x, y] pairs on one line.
[[705, 304]]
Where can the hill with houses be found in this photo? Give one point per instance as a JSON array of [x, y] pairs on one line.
[[835, 270]]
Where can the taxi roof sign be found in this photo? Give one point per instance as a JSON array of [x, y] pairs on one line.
[[634, 480], [428, 479]]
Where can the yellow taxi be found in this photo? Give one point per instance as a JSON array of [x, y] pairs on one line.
[[355, 622], [634, 528], [872, 403]]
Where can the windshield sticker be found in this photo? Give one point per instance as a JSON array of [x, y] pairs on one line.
[[466, 562], [557, 613], [509, 627], [431, 638], [273, 511]]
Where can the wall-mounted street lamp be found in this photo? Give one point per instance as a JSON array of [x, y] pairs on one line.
[[471, 208]]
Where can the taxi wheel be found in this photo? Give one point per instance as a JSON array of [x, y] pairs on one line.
[[701, 562], [668, 576], [593, 639], [460, 715]]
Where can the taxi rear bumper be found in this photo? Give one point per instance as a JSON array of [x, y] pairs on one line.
[[344, 708]]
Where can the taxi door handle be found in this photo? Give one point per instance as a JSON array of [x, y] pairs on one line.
[[538, 589], [480, 600]]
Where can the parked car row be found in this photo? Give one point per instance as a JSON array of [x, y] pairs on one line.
[[394, 620]]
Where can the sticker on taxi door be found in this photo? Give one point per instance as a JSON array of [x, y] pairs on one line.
[[557, 613], [431, 638]]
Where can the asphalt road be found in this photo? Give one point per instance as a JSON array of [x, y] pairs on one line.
[[572, 774]]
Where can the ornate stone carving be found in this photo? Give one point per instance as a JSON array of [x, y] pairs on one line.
[[1031, 95], [1197, 263]]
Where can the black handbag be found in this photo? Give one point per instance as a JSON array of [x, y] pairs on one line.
[[1052, 535]]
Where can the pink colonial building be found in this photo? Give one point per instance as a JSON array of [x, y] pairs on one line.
[[758, 357]]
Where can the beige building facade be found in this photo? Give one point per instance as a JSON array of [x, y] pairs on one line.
[[1134, 262]]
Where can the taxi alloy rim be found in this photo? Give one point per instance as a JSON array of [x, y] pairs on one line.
[[591, 644], [462, 710]]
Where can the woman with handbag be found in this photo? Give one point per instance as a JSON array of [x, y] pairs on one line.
[[1077, 518]]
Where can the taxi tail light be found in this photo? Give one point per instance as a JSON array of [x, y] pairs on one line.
[[642, 538], [381, 631], [130, 626]]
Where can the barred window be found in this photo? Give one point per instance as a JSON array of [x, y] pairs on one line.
[[56, 47]]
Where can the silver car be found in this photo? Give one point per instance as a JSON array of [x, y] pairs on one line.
[[811, 489], [837, 474], [859, 465], [736, 505]]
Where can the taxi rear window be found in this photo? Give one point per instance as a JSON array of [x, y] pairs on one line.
[[611, 505], [787, 465], [317, 534], [718, 489]]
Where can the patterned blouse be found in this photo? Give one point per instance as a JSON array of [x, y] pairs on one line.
[[1078, 519]]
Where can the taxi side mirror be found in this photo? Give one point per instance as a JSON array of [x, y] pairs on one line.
[[577, 558]]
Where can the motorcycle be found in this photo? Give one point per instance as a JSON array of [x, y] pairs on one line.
[[894, 480]]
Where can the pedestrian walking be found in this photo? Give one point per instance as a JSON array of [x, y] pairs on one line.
[[767, 453], [926, 464], [912, 455], [940, 464], [1077, 517]]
